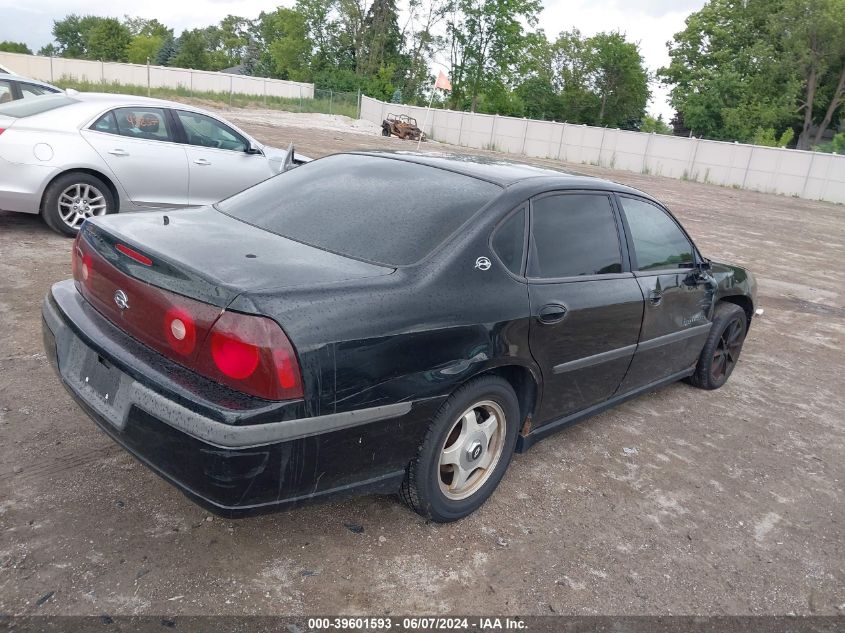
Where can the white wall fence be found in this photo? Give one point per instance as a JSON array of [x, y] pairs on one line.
[[54, 68], [809, 175]]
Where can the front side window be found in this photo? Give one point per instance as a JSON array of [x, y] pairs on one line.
[[573, 235], [204, 131], [658, 242], [143, 123], [509, 242], [106, 123]]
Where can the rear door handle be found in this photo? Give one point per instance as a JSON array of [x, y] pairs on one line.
[[202, 161], [118, 152], [551, 313]]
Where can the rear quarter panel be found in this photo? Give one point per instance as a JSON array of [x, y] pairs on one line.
[[416, 334]]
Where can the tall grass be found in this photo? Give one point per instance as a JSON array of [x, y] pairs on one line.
[[324, 101]]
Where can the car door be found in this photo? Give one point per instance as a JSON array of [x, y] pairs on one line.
[[586, 305], [139, 146], [219, 159], [678, 295]]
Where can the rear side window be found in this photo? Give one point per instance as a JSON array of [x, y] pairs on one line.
[[376, 209], [29, 107], [144, 123], [31, 90], [659, 243], [509, 242], [5, 91], [573, 235]]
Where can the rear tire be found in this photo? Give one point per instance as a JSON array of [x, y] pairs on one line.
[[465, 453], [722, 349], [72, 198]]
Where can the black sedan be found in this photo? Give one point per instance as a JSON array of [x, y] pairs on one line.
[[383, 323]]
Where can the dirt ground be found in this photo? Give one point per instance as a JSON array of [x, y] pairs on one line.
[[679, 502]]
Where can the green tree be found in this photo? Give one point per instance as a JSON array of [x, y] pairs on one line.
[[149, 28], [813, 33], [142, 48], [486, 41], [728, 72], [620, 80], [289, 50], [655, 125], [71, 35], [15, 47], [191, 51], [166, 52], [107, 40]]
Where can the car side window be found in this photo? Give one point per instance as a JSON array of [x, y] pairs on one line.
[[5, 91], [204, 131], [658, 242], [106, 123], [573, 235], [31, 90], [143, 123], [509, 241]]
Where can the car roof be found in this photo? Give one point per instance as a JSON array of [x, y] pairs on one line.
[[505, 171]]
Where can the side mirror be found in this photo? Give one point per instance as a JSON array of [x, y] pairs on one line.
[[251, 148], [704, 265]]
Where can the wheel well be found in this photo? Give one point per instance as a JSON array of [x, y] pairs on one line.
[[743, 302], [525, 387], [90, 172]]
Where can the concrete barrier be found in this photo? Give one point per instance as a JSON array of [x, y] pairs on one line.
[[809, 175]]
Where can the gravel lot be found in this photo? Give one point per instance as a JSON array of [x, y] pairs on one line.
[[680, 502]]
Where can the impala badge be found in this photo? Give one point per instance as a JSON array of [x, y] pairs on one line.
[[121, 300], [482, 263]]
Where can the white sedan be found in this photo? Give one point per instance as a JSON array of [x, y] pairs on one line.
[[72, 156]]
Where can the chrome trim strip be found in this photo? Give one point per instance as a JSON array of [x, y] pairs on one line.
[[589, 361], [674, 337]]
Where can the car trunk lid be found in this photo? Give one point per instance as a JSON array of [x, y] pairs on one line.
[[211, 257]]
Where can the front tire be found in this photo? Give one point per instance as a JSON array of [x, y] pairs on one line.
[[72, 198], [465, 453], [385, 131], [722, 349]]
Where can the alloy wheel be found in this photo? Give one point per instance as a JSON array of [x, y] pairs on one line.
[[472, 449], [727, 350], [80, 201]]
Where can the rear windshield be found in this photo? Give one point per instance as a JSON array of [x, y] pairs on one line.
[[27, 107], [377, 209]]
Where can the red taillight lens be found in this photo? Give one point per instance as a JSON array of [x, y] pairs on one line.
[[252, 354], [2, 129], [248, 353], [234, 357]]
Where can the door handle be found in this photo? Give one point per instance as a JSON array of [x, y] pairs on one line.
[[655, 297], [202, 161], [118, 152], [551, 313]]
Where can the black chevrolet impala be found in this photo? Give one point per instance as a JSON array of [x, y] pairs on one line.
[[383, 322]]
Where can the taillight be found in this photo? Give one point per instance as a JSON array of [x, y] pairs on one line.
[[252, 354], [245, 352], [2, 129]]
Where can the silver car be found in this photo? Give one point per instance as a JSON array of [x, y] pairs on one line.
[[72, 156]]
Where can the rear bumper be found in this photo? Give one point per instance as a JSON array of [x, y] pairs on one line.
[[245, 457], [21, 186]]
